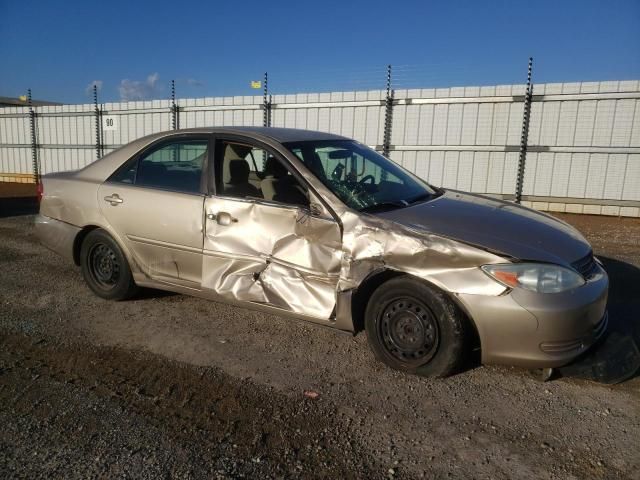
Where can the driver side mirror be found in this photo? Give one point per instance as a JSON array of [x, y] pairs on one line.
[[315, 209]]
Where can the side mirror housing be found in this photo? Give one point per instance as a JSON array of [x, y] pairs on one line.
[[316, 209]]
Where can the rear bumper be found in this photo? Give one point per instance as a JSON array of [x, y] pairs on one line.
[[538, 331], [56, 235]]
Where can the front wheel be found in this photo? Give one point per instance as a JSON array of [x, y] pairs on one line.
[[413, 327], [105, 268]]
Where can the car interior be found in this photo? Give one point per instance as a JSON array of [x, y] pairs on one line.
[[169, 177], [238, 184], [250, 172], [357, 180], [279, 185]]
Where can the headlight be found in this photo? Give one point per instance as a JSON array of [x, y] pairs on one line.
[[537, 277]]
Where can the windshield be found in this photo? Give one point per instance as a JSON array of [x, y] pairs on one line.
[[362, 178]]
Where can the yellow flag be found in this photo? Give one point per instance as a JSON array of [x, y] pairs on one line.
[[22, 98], [256, 84]]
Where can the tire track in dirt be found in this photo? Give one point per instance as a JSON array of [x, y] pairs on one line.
[[255, 431]]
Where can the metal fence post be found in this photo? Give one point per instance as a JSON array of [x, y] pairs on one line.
[[174, 107], [98, 116], [266, 103], [388, 116], [101, 131], [525, 134], [34, 141]]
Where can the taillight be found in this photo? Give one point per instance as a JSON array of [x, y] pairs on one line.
[[39, 191]]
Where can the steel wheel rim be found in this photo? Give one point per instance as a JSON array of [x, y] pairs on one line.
[[104, 266], [409, 331]]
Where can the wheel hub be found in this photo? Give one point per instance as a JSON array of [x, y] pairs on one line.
[[104, 266], [409, 331]]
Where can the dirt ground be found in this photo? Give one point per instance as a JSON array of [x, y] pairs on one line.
[[173, 386]]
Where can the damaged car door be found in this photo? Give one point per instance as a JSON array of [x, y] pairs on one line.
[[267, 238]]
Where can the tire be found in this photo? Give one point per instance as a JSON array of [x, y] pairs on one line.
[[415, 328], [105, 268]]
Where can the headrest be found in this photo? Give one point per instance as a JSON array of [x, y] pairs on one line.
[[274, 168], [239, 171], [234, 150]]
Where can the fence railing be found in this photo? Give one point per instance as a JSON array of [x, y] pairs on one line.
[[576, 149]]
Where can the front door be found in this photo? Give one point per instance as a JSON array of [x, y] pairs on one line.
[[262, 244], [154, 203]]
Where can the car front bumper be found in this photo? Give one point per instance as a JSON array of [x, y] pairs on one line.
[[534, 330]]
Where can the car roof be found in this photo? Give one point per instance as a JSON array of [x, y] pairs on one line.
[[282, 135]]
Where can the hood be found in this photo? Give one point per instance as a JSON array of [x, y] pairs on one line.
[[502, 227]]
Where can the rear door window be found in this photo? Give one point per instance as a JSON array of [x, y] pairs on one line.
[[175, 166]]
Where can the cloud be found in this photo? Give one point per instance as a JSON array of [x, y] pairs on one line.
[[192, 82], [139, 89], [89, 89]]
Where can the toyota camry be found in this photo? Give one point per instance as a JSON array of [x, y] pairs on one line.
[[322, 228]]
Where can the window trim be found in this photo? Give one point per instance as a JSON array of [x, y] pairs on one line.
[[161, 143]]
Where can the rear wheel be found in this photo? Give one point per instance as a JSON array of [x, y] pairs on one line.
[[414, 327], [105, 268]]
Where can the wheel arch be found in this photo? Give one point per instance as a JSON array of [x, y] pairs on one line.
[[82, 234], [77, 242], [364, 291]]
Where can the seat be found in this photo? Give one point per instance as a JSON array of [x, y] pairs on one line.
[[232, 152], [279, 186], [238, 184], [152, 174]]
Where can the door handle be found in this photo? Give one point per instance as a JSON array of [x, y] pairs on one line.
[[223, 218], [114, 200]]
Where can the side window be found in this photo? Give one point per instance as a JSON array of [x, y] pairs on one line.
[[251, 172], [174, 166], [127, 173]]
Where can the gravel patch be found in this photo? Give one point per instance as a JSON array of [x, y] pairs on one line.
[[94, 388]]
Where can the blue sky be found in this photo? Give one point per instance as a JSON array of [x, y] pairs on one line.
[[134, 48]]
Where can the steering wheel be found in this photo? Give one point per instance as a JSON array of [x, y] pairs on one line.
[[368, 178], [337, 172]]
